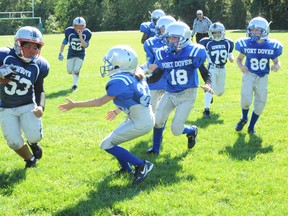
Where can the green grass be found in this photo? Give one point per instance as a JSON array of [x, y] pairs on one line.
[[227, 173]]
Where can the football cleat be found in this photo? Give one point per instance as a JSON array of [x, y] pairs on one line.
[[206, 113], [74, 87], [152, 151], [192, 137], [239, 126], [31, 163], [123, 172], [251, 130], [36, 150], [142, 171]]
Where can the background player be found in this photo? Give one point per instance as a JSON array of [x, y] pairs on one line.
[[148, 28], [181, 59], [219, 49], [22, 99], [130, 93], [150, 47], [258, 50], [78, 37]]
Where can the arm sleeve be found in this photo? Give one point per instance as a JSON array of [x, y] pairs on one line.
[[205, 74], [39, 93], [155, 76]]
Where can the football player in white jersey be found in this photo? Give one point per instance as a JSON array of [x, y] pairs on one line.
[[128, 89], [258, 50]]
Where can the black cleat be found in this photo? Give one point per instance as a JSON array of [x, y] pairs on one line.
[[251, 130], [36, 150], [206, 113], [152, 151], [123, 172], [74, 88], [31, 163], [142, 171], [240, 124], [192, 137]]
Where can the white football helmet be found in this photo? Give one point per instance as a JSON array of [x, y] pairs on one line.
[[79, 23], [156, 14], [182, 31], [162, 23], [28, 34], [260, 24], [217, 31], [119, 59]]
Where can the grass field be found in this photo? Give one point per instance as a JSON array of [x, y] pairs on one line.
[[227, 173]]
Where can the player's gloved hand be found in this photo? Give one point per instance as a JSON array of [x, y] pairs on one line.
[[61, 56], [7, 72]]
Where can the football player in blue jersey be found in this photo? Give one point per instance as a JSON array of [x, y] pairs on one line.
[[219, 49], [22, 98], [78, 37], [150, 47], [258, 50], [128, 89], [181, 59], [148, 28]]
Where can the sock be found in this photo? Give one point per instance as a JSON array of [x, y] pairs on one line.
[[207, 99], [124, 165], [75, 79], [245, 114], [123, 155], [253, 120], [157, 138], [188, 130]]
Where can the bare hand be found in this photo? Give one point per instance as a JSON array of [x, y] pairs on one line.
[[68, 106], [207, 88], [244, 69], [111, 115], [152, 67], [38, 111], [275, 67]]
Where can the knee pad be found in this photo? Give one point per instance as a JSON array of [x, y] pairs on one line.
[[15, 143], [177, 128], [106, 143]]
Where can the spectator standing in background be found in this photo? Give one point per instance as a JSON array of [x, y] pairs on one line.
[[201, 26]]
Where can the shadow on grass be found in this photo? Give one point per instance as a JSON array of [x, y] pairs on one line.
[[59, 93], [246, 150], [9, 179], [205, 122], [107, 193]]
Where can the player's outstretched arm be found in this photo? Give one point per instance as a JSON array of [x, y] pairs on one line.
[[89, 103]]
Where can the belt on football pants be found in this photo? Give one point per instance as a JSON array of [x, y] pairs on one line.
[[216, 66]]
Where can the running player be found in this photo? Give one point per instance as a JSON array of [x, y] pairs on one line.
[[258, 50]]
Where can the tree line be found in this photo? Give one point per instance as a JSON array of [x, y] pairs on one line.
[[112, 15]]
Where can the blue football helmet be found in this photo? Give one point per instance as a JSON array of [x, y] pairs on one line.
[[260, 24], [119, 59]]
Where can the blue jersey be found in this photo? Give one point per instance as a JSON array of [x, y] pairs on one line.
[[181, 66], [20, 91], [148, 28], [258, 55], [75, 47], [128, 91], [150, 47], [217, 51]]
